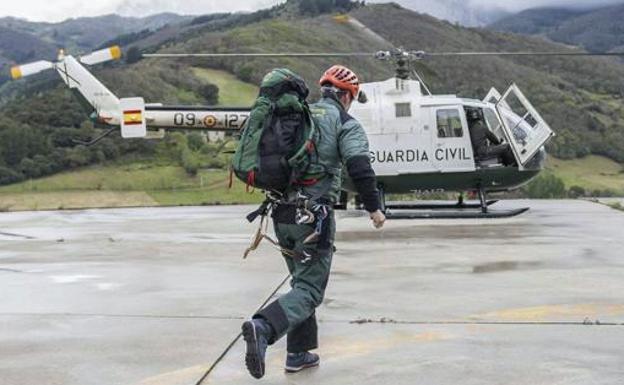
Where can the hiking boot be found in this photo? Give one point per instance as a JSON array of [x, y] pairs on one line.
[[256, 334], [296, 362]]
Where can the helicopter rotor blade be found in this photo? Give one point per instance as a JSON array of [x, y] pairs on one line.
[[527, 53], [102, 56], [382, 55], [260, 55], [23, 70]]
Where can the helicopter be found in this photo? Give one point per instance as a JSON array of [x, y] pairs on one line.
[[419, 142]]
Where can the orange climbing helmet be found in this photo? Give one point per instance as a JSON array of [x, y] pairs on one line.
[[343, 78]]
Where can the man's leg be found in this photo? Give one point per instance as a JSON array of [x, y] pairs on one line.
[[304, 337], [309, 280], [300, 341], [501, 151], [260, 331]]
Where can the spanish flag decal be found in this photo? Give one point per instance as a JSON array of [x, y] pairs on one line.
[[133, 117]]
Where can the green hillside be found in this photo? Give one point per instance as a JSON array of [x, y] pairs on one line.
[[232, 91], [591, 173]]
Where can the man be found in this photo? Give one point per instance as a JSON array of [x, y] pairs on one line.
[[480, 134], [342, 141]]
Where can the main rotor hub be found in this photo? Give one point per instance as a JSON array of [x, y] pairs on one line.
[[402, 59]]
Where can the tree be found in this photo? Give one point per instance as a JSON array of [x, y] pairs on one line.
[[210, 93], [546, 186], [195, 141], [8, 176], [29, 168], [133, 55], [308, 7], [77, 156], [190, 161], [576, 192]]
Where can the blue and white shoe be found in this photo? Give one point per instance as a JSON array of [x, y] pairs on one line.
[[296, 362], [256, 334]]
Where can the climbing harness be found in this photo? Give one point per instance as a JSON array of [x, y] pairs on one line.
[[261, 234]]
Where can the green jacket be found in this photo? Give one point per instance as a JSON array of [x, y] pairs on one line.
[[341, 139]]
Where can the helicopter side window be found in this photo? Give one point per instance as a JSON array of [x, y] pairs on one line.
[[403, 110], [449, 124]]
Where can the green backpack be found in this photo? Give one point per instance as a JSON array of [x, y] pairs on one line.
[[278, 143]]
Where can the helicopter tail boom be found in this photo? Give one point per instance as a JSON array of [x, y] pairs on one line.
[[101, 99]]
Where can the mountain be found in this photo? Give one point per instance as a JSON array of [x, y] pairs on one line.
[[85, 33], [596, 30], [456, 11], [22, 41], [22, 46], [16, 46], [536, 21], [581, 98]]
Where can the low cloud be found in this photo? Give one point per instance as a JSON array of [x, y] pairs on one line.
[[526, 4], [45, 10], [190, 7]]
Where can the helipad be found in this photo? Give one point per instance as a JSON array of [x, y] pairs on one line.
[[155, 296]]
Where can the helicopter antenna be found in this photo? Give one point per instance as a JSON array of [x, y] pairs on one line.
[[422, 82]]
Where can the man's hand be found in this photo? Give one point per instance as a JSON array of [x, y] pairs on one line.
[[378, 219]]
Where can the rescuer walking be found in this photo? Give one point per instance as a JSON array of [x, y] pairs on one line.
[[342, 141]]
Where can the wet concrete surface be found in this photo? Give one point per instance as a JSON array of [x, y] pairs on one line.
[[154, 296]]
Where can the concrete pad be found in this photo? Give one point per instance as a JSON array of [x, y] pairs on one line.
[[154, 296], [121, 296], [64, 349], [448, 355]]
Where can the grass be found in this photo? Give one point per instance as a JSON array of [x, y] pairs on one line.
[[617, 206], [60, 200], [112, 177], [592, 173], [232, 91], [125, 185]]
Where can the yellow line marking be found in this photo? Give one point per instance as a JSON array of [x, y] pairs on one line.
[[181, 376], [348, 347], [551, 312]]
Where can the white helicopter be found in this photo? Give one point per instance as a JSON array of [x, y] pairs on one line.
[[419, 142]]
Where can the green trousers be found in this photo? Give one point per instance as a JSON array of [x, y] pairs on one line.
[[293, 314]]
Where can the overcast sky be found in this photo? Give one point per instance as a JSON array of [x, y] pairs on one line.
[[57, 10]]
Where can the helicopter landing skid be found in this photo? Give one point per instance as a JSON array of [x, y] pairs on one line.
[[459, 210], [435, 206], [453, 214]]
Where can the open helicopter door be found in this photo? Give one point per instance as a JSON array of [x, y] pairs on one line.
[[493, 96], [524, 128]]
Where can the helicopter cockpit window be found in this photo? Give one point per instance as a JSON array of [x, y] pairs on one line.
[[449, 124], [403, 110]]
